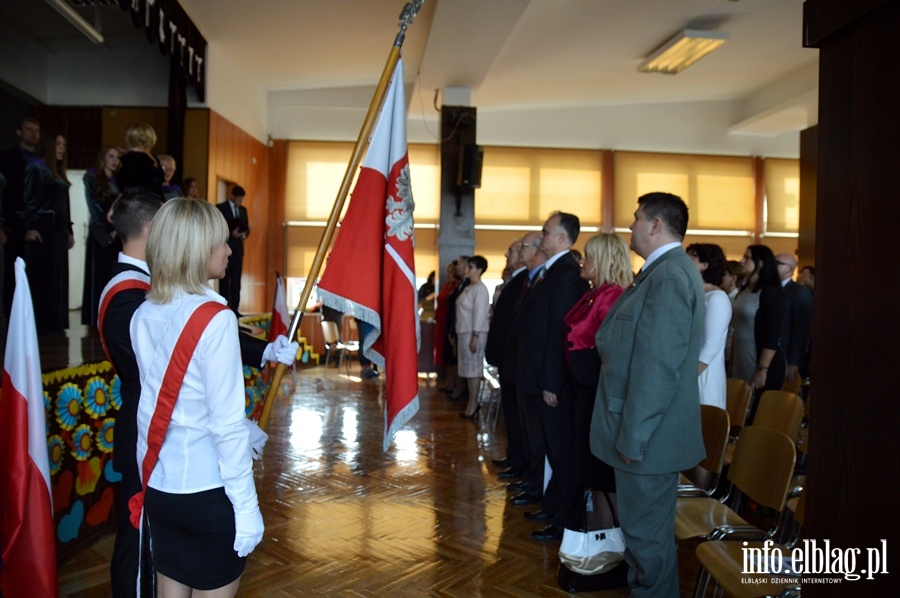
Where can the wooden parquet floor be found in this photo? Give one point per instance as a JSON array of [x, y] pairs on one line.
[[344, 518]]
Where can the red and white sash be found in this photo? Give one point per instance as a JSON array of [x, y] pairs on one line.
[[124, 281], [168, 395]]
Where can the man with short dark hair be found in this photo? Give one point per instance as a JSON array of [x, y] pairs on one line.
[[124, 293], [12, 229], [542, 371], [646, 421], [239, 228]]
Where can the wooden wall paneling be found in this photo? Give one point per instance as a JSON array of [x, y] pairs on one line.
[[196, 148], [852, 460], [229, 139], [231, 152], [213, 164], [117, 119], [80, 125]]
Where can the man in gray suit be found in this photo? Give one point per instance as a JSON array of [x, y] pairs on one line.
[[646, 420]]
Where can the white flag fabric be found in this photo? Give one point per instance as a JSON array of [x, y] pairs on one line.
[[27, 539]]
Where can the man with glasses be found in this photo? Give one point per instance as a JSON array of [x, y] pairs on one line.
[[531, 487], [501, 320]]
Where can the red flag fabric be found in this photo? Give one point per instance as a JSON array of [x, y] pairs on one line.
[[27, 539], [370, 272], [280, 319]]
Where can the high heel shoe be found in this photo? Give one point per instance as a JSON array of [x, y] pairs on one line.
[[474, 413]]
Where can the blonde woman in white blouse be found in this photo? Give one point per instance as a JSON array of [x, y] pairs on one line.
[[472, 323], [200, 502]]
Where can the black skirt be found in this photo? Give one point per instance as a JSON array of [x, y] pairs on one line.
[[192, 537], [590, 472]]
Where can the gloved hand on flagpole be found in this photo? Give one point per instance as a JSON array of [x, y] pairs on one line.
[[281, 351]]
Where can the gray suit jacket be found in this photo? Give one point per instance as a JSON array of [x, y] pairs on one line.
[[648, 402]]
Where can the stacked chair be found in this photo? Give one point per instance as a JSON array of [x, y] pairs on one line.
[[333, 343]]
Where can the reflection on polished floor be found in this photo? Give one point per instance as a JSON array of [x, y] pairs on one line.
[[427, 518]]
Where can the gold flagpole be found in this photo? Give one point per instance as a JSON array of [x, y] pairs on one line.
[[362, 142]]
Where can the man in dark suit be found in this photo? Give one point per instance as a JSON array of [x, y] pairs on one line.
[[646, 421], [542, 371], [501, 321], [531, 487], [12, 228], [120, 299], [798, 307], [239, 228]]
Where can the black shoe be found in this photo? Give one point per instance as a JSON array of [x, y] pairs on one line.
[[474, 413], [548, 534], [524, 499], [538, 515], [517, 486], [501, 463], [508, 474]]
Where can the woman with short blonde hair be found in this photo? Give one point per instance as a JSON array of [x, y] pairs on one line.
[[610, 258], [140, 136], [606, 265], [140, 170], [201, 503], [181, 241]]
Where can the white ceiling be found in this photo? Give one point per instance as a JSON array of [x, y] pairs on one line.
[[510, 53], [531, 57]]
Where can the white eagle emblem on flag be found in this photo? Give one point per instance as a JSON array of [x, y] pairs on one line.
[[399, 218]]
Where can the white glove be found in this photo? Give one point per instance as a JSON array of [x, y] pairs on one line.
[[281, 350], [258, 438], [248, 530]]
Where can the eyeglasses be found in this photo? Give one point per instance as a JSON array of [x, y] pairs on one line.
[[785, 264], [535, 244]]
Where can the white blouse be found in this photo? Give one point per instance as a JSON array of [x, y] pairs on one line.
[[712, 351], [207, 442]]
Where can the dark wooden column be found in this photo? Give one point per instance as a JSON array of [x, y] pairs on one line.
[[457, 232], [809, 163], [853, 459]]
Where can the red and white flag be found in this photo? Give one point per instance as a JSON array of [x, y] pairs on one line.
[[27, 539], [371, 270], [280, 320]]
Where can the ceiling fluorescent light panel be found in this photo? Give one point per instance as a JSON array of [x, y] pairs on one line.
[[682, 50]]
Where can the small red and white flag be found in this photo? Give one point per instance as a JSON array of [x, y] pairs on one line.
[[27, 539], [280, 320], [371, 269]]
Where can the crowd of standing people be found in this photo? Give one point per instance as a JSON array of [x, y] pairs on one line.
[[602, 371], [188, 512], [36, 220]]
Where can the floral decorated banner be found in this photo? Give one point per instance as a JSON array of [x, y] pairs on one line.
[[81, 405]]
